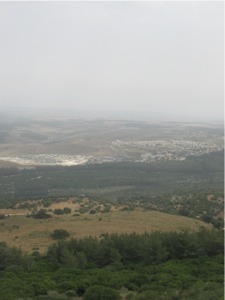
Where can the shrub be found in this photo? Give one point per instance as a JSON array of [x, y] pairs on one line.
[[60, 234], [58, 211], [76, 215], [41, 214], [66, 210], [98, 292]]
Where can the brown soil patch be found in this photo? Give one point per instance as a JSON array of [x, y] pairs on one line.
[[13, 212]]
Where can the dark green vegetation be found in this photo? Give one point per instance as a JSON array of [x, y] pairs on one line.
[[41, 214], [60, 234], [59, 211], [177, 187], [158, 266], [192, 174], [165, 266], [200, 205]]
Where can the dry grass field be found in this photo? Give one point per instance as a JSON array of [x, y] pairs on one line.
[[34, 234]]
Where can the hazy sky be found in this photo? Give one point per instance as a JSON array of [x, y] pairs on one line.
[[149, 57]]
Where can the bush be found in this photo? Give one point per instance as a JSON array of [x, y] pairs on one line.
[[58, 211], [67, 210], [98, 292], [76, 215], [41, 214], [60, 234]]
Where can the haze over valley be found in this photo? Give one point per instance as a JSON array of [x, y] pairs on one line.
[[33, 142], [112, 150]]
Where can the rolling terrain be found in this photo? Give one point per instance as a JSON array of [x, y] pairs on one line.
[[32, 142], [111, 210], [21, 230]]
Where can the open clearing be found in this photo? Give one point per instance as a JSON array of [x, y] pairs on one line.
[[34, 234]]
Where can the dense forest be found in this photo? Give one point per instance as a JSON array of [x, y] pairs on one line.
[[154, 265], [118, 180], [175, 187], [151, 266]]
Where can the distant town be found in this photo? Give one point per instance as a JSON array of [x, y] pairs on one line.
[[169, 149], [31, 143]]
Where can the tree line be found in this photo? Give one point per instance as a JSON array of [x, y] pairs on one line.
[[174, 265], [195, 173]]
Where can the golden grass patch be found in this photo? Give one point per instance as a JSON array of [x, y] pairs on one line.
[[34, 234]]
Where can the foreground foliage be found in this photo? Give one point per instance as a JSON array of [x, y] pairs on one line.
[[155, 265]]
